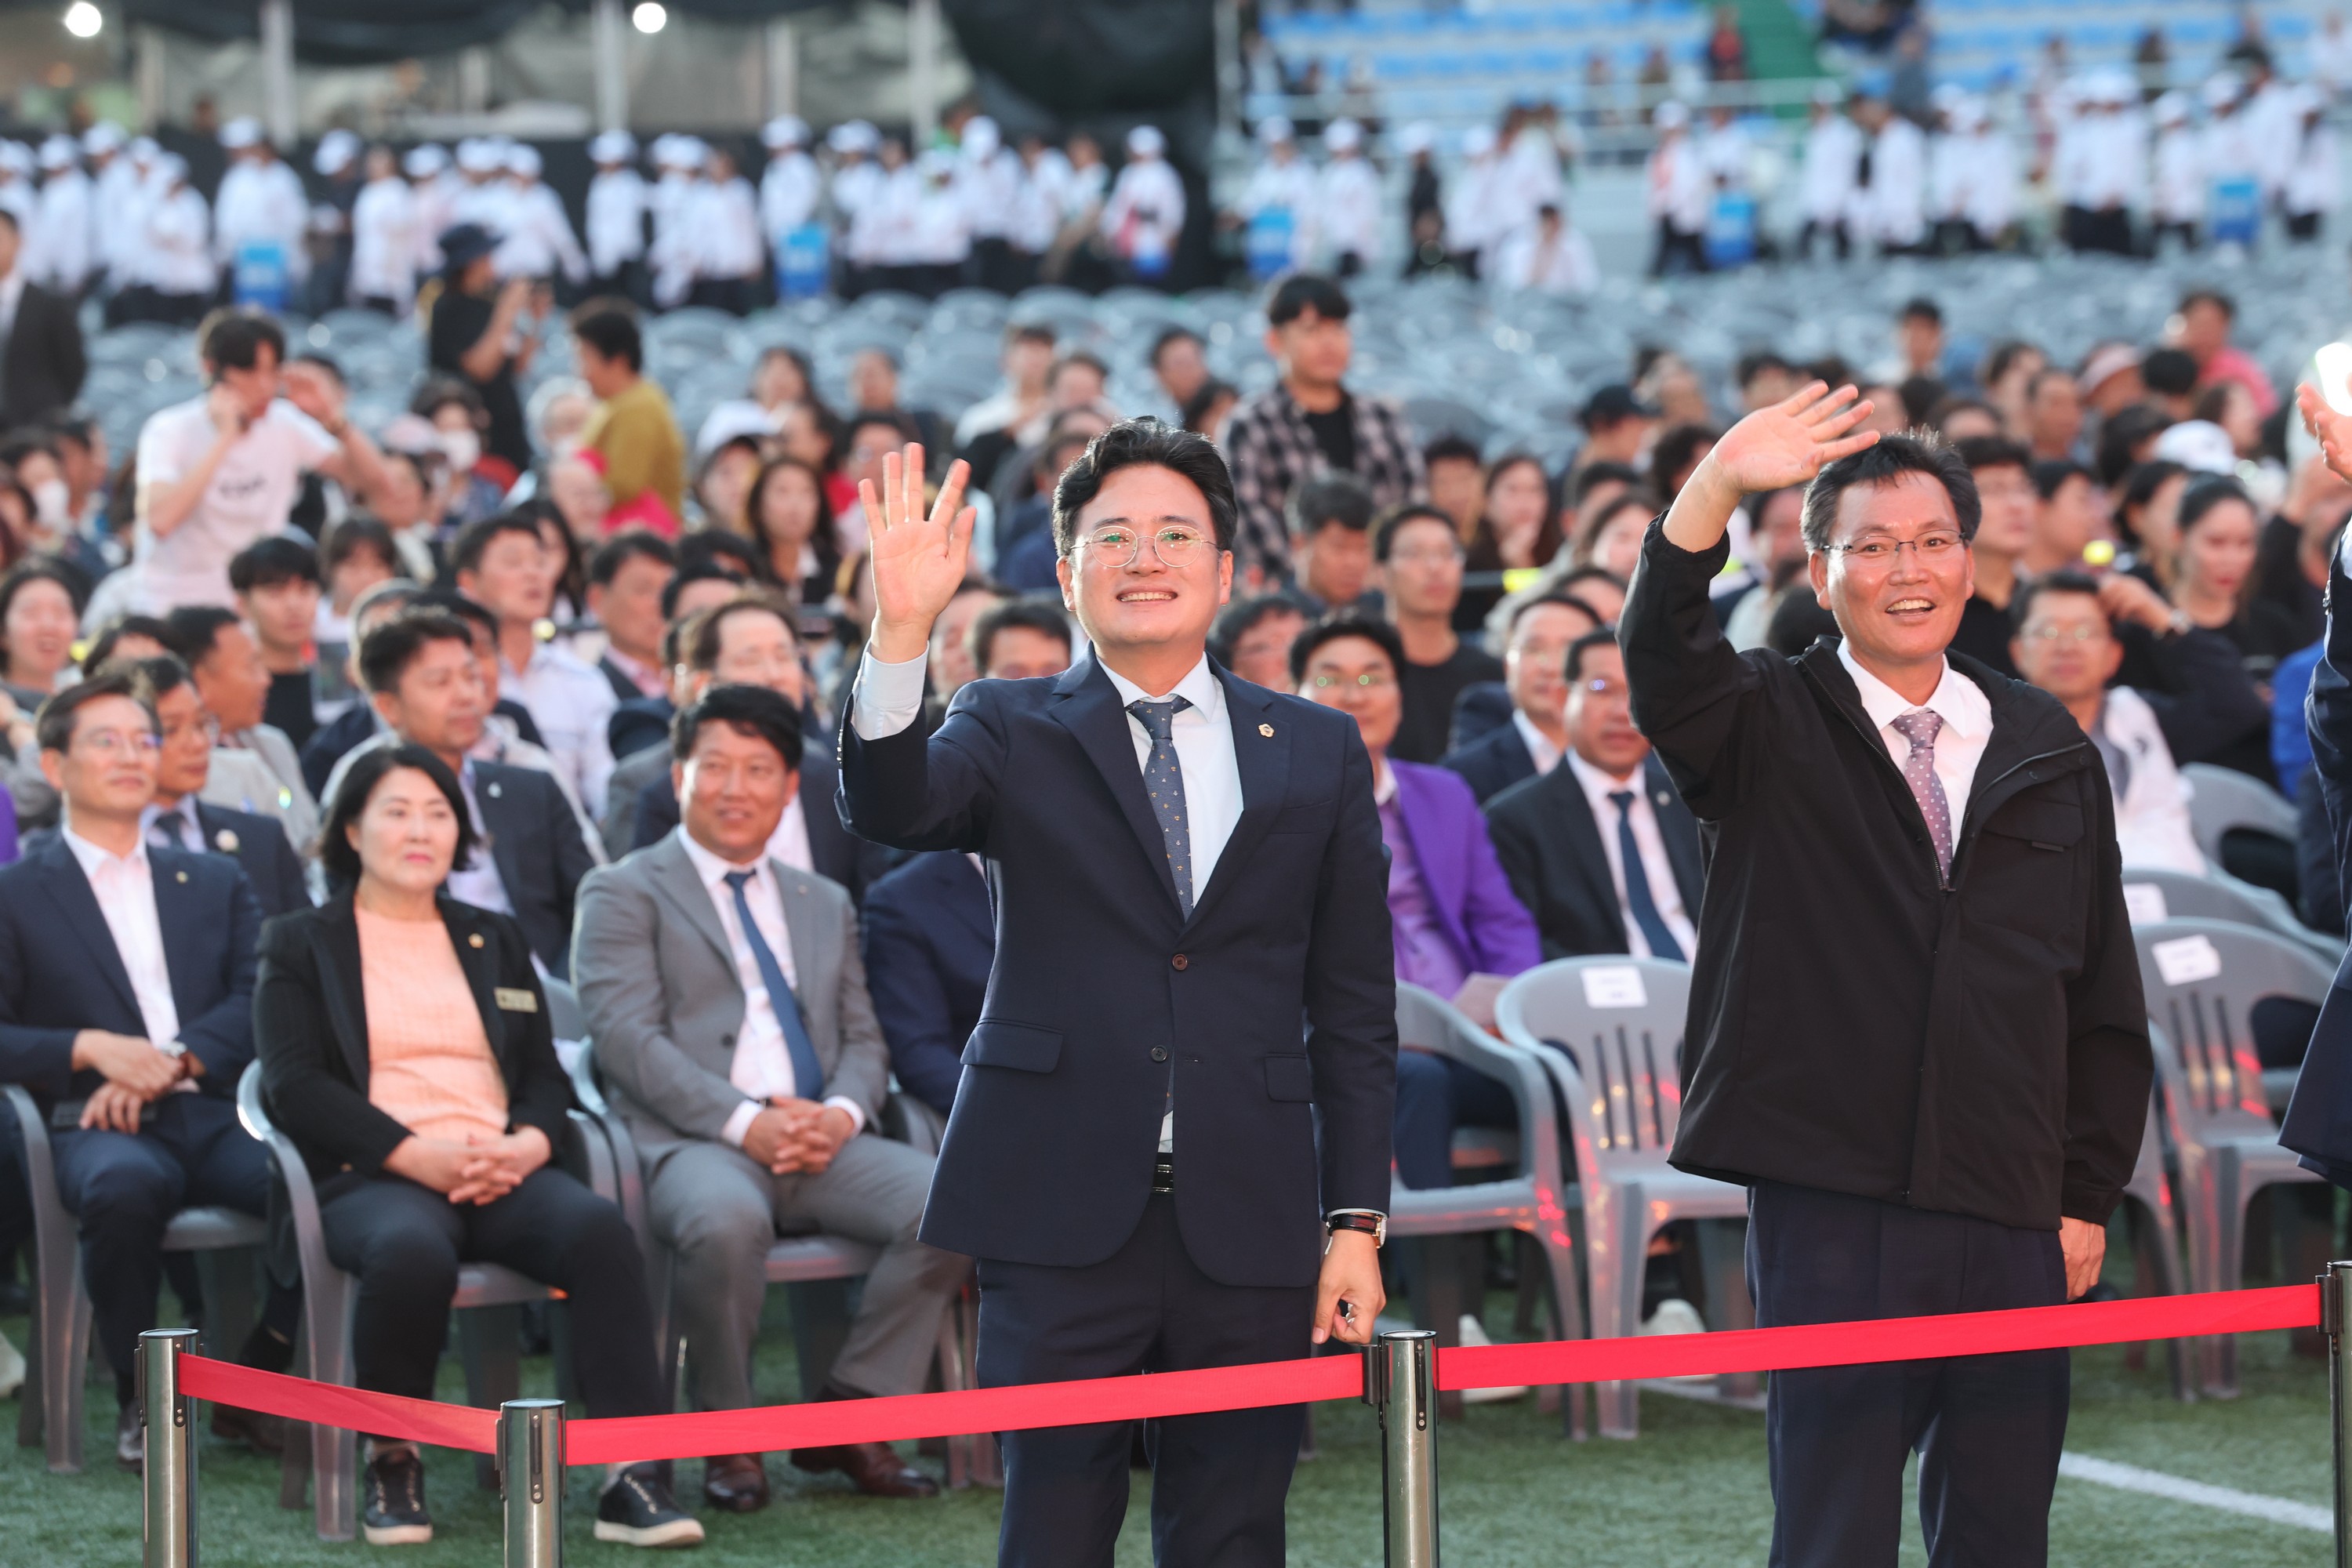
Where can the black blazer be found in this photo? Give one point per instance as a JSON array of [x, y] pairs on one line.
[[837, 855], [1549, 846], [535, 841], [1492, 763], [929, 941], [1274, 1001], [310, 1030], [41, 374], [60, 971]]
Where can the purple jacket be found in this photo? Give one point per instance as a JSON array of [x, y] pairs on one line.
[[1490, 927]]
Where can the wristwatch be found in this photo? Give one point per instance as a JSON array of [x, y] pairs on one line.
[[1375, 1226], [178, 1052]]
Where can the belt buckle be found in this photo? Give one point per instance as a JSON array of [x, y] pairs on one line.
[[1163, 1174]]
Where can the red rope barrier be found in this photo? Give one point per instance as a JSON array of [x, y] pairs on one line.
[[596, 1442]]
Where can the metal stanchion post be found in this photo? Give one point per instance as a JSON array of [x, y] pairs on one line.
[[2335, 1315], [1400, 1382], [168, 1526], [531, 1481]]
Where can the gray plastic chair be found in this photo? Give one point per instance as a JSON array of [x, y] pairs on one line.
[[54, 1402], [1532, 1194], [2163, 895], [2221, 800], [487, 1339], [1610, 1029], [2215, 1105], [2150, 1210]]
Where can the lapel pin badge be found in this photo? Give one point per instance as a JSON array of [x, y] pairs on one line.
[[225, 841], [475, 940], [1267, 730], [496, 791], [180, 876]]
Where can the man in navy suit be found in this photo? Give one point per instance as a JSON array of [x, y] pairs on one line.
[[1529, 741], [126, 1008], [1193, 962]]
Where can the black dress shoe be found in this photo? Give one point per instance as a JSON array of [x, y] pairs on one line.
[[875, 1468], [736, 1483], [130, 1438], [637, 1509], [395, 1512]]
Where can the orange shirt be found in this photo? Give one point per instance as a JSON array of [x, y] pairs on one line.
[[429, 1063]]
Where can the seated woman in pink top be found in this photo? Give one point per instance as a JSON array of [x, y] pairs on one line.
[[405, 1049]]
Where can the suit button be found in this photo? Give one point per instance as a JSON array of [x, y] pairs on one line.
[[1158, 1054], [1181, 962]]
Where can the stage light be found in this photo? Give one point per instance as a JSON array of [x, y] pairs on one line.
[[650, 16], [83, 20]]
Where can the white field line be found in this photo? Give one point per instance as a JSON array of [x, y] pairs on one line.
[[2179, 1488]]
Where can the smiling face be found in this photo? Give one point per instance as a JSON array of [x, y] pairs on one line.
[[107, 772], [39, 632], [406, 834], [1899, 611], [732, 790], [1146, 603], [1353, 674], [2066, 645]]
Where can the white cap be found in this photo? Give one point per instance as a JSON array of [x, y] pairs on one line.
[[784, 130], [60, 153], [1276, 129], [2198, 444], [731, 422], [2172, 108], [1417, 138], [1670, 116], [613, 147], [412, 435], [143, 149], [102, 138], [243, 131], [2117, 87], [1343, 136], [935, 163], [478, 155], [1146, 142], [16, 157], [853, 136], [1946, 97], [1478, 141], [1828, 94], [169, 165], [335, 152], [2221, 90], [981, 137], [523, 159], [424, 160]]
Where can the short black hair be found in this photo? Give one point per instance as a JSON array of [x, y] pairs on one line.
[[1168, 338], [1347, 623], [1394, 522], [2168, 373], [324, 362], [160, 676], [387, 652], [2064, 580], [2206, 295], [1335, 497], [1304, 291], [2124, 429], [474, 540], [2050, 474], [1085, 357], [1921, 308], [196, 628], [336, 857], [1451, 446], [233, 338], [1018, 332], [1678, 448], [1240, 617], [1561, 597], [53, 726], [101, 647], [753, 710], [2139, 485], [1034, 611], [1145, 443], [899, 424], [698, 639], [2206, 491], [1920, 395], [1950, 405], [632, 545], [267, 563], [437, 392], [1979, 452], [354, 533], [451, 602], [610, 326], [2000, 356], [41, 569], [691, 572], [1590, 573], [1593, 476], [1757, 363], [1911, 452], [1195, 410], [1601, 636]]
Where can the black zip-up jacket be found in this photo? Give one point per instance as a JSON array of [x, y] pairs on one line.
[[1854, 1026]]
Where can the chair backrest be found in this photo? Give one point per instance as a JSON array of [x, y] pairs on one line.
[[2202, 978], [2222, 800], [249, 1108], [1619, 1021], [1426, 1021], [2154, 895], [565, 1015]]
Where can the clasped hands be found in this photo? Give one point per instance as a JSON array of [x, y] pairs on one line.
[[135, 1072], [797, 1137], [479, 1171]]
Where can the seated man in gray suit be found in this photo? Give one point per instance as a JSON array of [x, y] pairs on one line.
[[728, 1004]]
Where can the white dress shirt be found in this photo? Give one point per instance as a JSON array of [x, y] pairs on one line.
[[1539, 745], [477, 881], [1966, 713], [1651, 841], [571, 704], [125, 889], [889, 697], [763, 1068]]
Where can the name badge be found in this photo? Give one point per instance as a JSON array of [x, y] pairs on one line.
[[516, 1001]]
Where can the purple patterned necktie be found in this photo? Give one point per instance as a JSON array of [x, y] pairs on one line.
[[1920, 727]]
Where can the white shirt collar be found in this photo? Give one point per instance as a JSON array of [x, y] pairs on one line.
[[712, 868], [1960, 702], [1201, 687], [1541, 749], [94, 859], [1599, 787], [1384, 788]]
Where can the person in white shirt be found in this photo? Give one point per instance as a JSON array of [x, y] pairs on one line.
[[260, 210], [616, 217], [1037, 205], [1832, 164], [219, 471], [18, 197], [2312, 186], [116, 216], [1897, 195], [1547, 256], [1989, 205], [1276, 206], [2331, 57], [882, 235], [539, 240], [2176, 175], [482, 195], [1681, 195], [1471, 203], [676, 159], [387, 225], [1079, 256], [857, 182], [504, 564], [2273, 111], [67, 256], [171, 275], [1347, 208], [988, 186], [940, 243], [1145, 214], [1527, 176], [2114, 169], [431, 187], [731, 260], [2232, 165]]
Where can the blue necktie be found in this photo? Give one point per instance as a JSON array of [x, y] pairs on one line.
[[808, 1073], [1163, 781], [1637, 885]]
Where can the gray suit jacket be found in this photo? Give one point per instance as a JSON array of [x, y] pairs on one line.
[[659, 984]]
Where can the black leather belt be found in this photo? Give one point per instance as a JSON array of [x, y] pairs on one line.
[[1163, 1172]]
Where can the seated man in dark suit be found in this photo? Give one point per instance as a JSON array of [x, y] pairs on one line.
[[1602, 849], [1528, 742], [357, 723], [626, 579], [425, 681], [644, 721], [126, 1008], [749, 641]]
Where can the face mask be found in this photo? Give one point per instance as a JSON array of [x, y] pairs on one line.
[[463, 449], [52, 503]]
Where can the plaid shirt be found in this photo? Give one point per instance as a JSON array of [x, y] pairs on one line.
[[1271, 448]]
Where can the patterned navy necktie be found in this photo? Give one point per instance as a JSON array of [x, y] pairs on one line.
[[1163, 781]]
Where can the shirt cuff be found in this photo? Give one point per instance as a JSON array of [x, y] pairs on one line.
[[889, 697], [740, 1122], [856, 1112]]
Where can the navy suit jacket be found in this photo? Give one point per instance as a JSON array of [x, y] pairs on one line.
[[1274, 1001], [2319, 1122], [1492, 763], [60, 971], [256, 842], [1549, 845], [536, 843], [930, 940]]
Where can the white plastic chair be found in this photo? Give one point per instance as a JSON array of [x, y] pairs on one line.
[[1610, 1029], [2222, 800]]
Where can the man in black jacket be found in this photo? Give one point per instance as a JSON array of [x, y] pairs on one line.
[[1915, 1031], [42, 361]]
